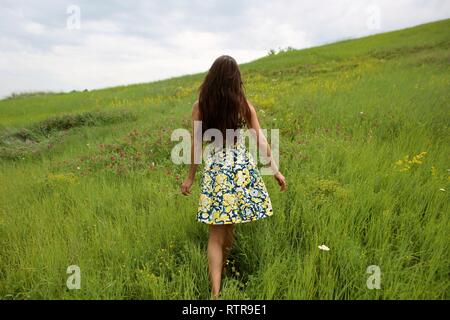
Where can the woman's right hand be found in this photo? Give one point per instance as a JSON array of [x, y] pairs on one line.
[[281, 181], [186, 186]]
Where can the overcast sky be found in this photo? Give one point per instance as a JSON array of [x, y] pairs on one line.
[[45, 47]]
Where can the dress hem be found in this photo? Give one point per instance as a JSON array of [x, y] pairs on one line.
[[238, 222]]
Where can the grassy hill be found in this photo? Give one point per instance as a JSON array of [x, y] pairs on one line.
[[86, 179]]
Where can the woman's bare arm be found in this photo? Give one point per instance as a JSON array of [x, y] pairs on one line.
[[264, 146], [196, 149]]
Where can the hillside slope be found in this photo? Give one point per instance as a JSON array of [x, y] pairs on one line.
[[364, 125]]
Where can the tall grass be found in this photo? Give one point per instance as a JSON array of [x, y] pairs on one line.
[[364, 146]]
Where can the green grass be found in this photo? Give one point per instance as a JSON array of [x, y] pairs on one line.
[[103, 194]]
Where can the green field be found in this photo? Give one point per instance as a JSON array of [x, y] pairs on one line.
[[87, 180]]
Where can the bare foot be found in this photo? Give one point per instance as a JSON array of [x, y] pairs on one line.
[[215, 297]]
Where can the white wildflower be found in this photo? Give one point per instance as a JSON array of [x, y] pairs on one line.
[[324, 247]]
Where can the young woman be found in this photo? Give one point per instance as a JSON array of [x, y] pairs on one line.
[[232, 190]]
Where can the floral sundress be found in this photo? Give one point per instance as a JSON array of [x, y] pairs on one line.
[[232, 189]]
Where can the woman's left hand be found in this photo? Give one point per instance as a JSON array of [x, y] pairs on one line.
[[281, 181], [186, 186]]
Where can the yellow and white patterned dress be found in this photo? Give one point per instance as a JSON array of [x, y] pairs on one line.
[[232, 189]]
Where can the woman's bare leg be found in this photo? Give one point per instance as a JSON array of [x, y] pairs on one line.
[[217, 238]]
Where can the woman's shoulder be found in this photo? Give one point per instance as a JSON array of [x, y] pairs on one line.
[[195, 110], [251, 107], [250, 104], [195, 105]]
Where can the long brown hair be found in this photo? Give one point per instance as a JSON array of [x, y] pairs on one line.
[[222, 100]]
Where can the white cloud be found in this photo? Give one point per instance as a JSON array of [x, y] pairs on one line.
[[100, 26], [34, 28]]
